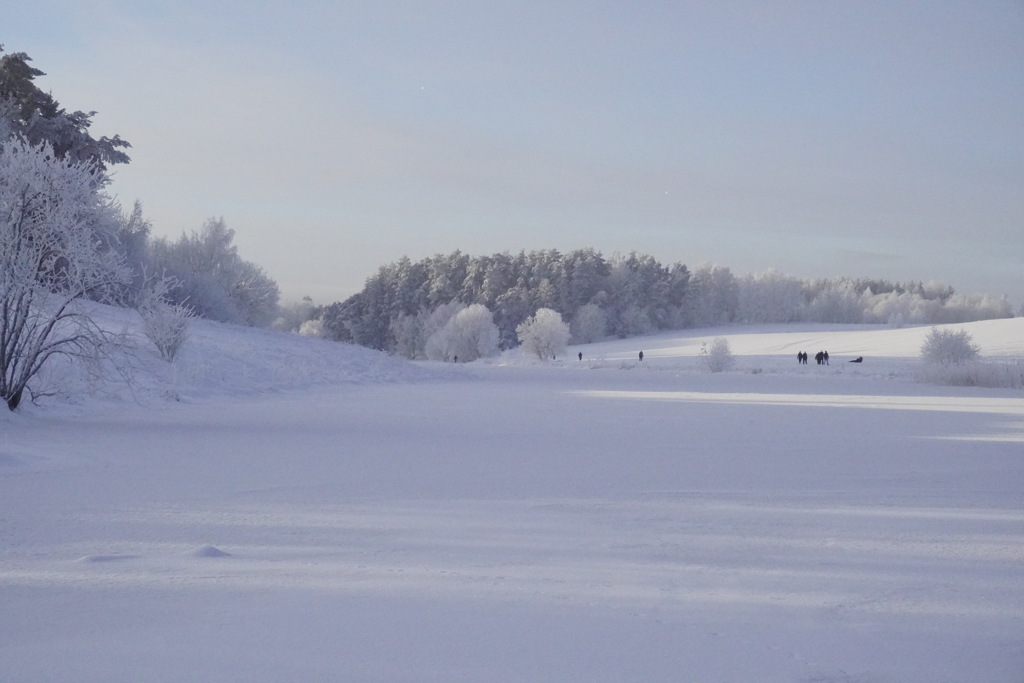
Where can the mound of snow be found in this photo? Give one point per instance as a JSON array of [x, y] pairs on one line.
[[208, 551], [101, 559], [219, 359]]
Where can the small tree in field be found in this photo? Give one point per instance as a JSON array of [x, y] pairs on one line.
[[56, 249], [718, 356], [544, 333], [946, 347], [166, 325]]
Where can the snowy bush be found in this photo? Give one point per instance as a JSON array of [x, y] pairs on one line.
[[167, 326], [946, 347], [312, 328], [718, 356], [544, 334], [975, 374]]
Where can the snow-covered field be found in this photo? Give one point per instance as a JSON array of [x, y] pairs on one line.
[[278, 508]]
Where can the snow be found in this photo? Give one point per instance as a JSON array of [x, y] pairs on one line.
[[273, 507]]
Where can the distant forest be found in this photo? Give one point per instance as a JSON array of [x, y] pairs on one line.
[[623, 296]]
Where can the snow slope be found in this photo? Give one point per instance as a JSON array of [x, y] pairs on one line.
[[276, 508]]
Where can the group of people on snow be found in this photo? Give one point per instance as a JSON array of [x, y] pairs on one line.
[[821, 357]]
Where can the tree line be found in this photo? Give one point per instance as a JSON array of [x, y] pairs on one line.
[[623, 295]]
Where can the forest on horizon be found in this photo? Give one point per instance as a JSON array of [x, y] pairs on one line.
[[622, 296]]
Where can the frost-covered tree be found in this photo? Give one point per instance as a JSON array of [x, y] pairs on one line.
[[56, 235], [713, 296], [544, 334], [837, 302], [588, 325], [962, 308], [432, 342], [948, 347], [892, 308], [769, 297], [255, 294], [37, 117], [510, 310], [640, 295], [468, 335], [213, 280], [132, 240], [407, 336]]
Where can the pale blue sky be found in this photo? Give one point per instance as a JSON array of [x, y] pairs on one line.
[[819, 138]]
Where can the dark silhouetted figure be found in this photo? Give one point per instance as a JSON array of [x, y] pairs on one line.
[[641, 356], [581, 355], [819, 357], [455, 359], [801, 358], [858, 359], [825, 357]]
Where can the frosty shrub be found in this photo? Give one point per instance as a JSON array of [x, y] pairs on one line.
[[946, 347], [312, 328], [718, 356], [975, 374], [544, 333], [166, 325], [56, 229]]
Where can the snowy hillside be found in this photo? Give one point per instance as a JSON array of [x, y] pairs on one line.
[[228, 360], [996, 338], [225, 360]]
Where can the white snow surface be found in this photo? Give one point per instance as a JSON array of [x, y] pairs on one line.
[[278, 508]]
